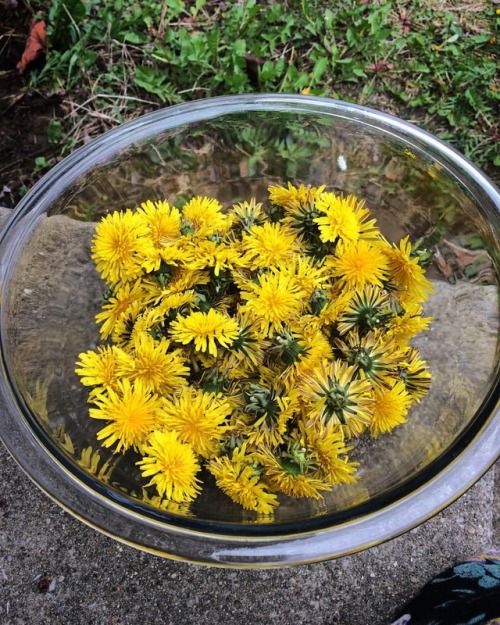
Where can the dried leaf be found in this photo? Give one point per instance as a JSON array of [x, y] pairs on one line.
[[457, 262], [36, 45], [394, 170], [443, 265], [463, 256]]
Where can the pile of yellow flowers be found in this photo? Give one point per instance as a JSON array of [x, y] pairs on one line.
[[252, 343]]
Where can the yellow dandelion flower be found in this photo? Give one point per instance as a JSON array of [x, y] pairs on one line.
[[402, 328], [248, 214], [375, 355], [123, 328], [285, 349], [150, 323], [132, 414], [205, 330], [248, 348], [117, 247], [99, 368], [368, 228], [407, 275], [329, 448], [268, 245], [215, 255], [180, 280], [172, 466], [287, 477], [242, 277], [276, 298], [415, 374], [309, 276], [317, 348], [339, 221], [239, 478], [172, 254], [236, 369], [297, 485], [175, 301], [204, 361], [264, 376], [291, 197], [154, 259], [155, 365], [204, 217], [266, 413], [153, 319], [389, 408], [162, 221], [163, 227], [198, 418], [368, 309], [187, 280], [117, 304], [327, 306], [335, 396], [358, 265]]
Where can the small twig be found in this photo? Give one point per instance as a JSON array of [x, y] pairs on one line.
[[124, 97], [161, 25], [91, 112], [13, 100]]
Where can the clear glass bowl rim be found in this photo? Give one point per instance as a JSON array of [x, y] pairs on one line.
[[222, 544]]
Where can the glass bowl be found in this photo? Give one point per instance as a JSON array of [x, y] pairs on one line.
[[233, 148]]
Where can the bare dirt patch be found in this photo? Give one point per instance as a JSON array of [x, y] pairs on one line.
[[24, 113]]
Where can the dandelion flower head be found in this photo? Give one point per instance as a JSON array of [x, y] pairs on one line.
[[251, 343]]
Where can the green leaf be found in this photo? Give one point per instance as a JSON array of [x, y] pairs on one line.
[[63, 21], [198, 6], [319, 69], [135, 37], [477, 39], [239, 47], [41, 162], [154, 81], [358, 71], [54, 131], [329, 18], [351, 37], [175, 8]]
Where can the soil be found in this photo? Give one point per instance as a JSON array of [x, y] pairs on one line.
[[24, 113]]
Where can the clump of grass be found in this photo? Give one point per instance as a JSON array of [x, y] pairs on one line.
[[115, 59]]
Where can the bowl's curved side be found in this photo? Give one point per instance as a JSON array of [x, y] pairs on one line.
[[231, 550], [226, 544]]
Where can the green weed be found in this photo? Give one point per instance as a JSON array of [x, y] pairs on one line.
[[118, 58]]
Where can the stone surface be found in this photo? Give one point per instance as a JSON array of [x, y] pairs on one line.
[[54, 570], [92, 579]]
